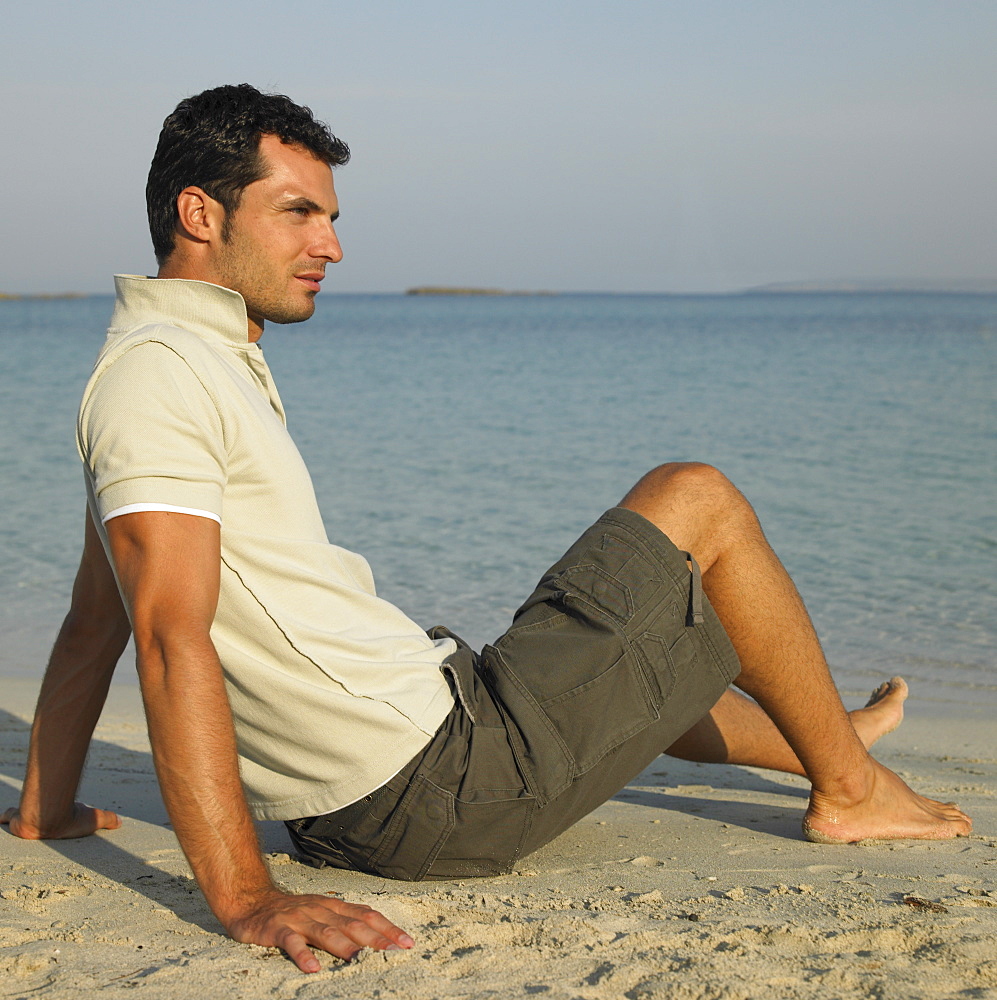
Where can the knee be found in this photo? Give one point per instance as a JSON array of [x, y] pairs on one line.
[[692, 499], [693, 479]]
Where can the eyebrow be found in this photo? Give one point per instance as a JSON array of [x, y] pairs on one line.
[[312, 206]]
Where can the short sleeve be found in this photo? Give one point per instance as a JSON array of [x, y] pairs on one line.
[[151, 435]]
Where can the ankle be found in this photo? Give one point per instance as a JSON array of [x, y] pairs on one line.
[[851, 785]]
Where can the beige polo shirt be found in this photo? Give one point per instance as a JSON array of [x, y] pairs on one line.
[[332, 689]]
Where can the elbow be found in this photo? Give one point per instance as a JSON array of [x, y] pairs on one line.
[[97, 626], [164, 647], [151, 646]]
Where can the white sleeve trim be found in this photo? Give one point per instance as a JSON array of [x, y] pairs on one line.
[[133, 508]]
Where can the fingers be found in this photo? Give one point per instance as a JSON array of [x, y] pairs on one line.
[[344, 940], [296, 948], [391, 934], [298, 923], [353, 926]]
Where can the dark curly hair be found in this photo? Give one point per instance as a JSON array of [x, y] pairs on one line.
[[212, 141]]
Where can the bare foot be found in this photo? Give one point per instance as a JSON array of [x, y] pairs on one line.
[[885, 810], [883, 712]]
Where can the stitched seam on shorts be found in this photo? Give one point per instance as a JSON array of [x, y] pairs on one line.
[[527, 827], [566, 577], [531, 779], [529, 697], [598, 610], [535, 626], [396, 820], [651, 674], [397, 817], [508, 798], [571, 692], [445, 833], [652, 551], [629, 647]]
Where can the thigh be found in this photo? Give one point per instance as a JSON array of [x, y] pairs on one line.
[[605, 666]]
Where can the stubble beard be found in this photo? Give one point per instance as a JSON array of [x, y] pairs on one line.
[[267, 292]]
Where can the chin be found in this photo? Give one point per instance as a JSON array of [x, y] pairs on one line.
[[298, 315]]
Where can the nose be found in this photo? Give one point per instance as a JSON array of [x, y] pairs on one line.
[[328, 245]]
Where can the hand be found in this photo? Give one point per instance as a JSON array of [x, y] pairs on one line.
[[83, 821], [291, 923]]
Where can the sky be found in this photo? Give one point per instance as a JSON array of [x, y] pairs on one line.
[[627, 146]]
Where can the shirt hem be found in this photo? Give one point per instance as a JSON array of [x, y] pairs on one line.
[[326, 799]]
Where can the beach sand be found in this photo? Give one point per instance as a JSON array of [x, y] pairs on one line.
[[693, 882]]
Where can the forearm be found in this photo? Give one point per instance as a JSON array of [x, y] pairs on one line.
[[194, 748], [72, 695]]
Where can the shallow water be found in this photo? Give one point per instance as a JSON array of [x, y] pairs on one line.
[[462, 443]]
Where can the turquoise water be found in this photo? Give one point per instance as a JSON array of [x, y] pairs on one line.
[[462, 443]]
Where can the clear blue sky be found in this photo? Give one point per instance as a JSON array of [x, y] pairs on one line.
[[619, 146]]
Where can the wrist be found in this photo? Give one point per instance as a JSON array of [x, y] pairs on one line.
[[240, 904]]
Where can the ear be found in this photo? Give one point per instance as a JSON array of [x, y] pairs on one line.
[[199, 216]]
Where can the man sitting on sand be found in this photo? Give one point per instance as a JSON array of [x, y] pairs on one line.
[[277, 685]]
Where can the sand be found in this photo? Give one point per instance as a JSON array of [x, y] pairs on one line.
[[693, 882]]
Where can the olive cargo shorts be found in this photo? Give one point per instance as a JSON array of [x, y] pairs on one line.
[[615, 655]]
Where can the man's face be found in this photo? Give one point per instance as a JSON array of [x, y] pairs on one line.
[[281, 237]]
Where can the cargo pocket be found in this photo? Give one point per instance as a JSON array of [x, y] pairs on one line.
[[597, 716], [421, 823], [574, 687], [487, 836]]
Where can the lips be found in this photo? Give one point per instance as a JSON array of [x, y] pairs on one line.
[[311, 279]]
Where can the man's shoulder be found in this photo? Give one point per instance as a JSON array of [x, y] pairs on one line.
[[176, 338], [154, 363], [156, 346], [152, 377]]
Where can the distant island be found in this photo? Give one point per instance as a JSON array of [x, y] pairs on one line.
[[45, 295], [969, 286], [447, 290]]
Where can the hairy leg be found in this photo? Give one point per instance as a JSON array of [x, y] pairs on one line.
[[782, 666], [737, 730]]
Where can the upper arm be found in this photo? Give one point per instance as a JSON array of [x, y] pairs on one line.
[[95, 591], [169, 567], [96, 612]]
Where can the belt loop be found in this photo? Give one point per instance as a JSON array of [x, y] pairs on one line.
[[450, 670], [695, 614]]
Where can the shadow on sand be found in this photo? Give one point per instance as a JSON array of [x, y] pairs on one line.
[[111, 768]]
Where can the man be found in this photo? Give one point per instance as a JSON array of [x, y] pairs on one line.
[[278, 686]]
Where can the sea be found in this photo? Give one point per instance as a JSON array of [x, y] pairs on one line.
[[461, 443]]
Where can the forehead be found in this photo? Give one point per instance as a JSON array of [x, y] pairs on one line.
[[294, 171]]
